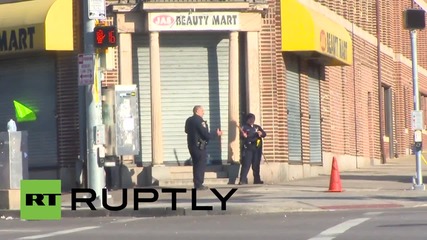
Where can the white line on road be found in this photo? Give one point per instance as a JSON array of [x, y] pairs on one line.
[[372, 213], [20, 230], [131, 220], [59, 233], [334, 231]]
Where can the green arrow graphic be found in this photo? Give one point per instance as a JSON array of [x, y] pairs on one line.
[[24, 113]]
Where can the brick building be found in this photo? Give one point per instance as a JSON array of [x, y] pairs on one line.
[[347, 94], [350, 109], [372, 75]]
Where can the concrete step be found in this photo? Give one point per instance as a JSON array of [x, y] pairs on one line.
[[189, 182], [189, 169], [189, 175]]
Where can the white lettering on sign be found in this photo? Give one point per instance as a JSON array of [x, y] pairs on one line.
[[86, 69], [219, 21]]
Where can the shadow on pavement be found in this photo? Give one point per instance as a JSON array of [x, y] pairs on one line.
[[387, 178]]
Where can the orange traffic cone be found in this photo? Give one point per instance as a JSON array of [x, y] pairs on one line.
[[335, 182]]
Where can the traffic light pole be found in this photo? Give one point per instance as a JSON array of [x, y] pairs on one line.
[[418, 185], [96, 175]]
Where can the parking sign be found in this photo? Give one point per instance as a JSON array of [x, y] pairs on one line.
[[97, 9], [86, 69]]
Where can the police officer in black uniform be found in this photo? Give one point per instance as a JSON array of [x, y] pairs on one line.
[[198, 137], [252, 135]]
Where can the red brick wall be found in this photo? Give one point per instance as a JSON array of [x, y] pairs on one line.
[[327, 110], [353, 110], [334, 119], [338, 110], [360, 12], [273, 85], [400, 113]]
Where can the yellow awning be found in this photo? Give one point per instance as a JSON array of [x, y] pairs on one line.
[[36, 25], [313, 35]]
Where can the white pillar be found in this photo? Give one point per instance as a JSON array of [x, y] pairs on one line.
[[125, 58], [156, 101], [252, 74], [233, 100], [125, 69]]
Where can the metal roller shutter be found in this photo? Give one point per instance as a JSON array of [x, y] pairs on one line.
[[293, 109], [67, 110], [141, 75], [194, 71], [314, 111], [31, 81]]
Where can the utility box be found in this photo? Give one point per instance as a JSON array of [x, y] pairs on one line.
[[121, 120], [13, 159]]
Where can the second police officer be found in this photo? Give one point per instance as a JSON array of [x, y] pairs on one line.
[[252, 149]]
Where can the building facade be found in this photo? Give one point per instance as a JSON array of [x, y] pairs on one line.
[[182, 55], [333, 79], [365, 106], [38, 41], [325, 78]]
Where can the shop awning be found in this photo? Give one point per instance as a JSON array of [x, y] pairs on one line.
[[36, 25], [312, 35]]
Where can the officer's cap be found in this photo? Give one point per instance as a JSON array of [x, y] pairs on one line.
[[249, 116]]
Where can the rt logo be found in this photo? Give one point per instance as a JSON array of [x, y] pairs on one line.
[[41, 199]]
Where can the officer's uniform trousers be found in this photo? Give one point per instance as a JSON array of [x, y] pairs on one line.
[[198, 157], [251, 156]]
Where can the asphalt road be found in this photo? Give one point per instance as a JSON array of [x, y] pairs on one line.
[[341, 225]]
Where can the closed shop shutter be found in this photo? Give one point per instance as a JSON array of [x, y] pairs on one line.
[[293, 109], [194, 71], [31, 82], [314, 111], [67, 110]]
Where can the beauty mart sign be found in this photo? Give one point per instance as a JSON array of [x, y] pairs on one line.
[[194, 21]]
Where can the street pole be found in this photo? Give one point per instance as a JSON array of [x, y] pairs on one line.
[[418, 185], [96, 178]]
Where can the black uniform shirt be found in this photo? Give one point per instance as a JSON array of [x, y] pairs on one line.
[[253, 136], [196, 129]]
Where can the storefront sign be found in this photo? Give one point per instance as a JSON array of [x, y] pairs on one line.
[[193, 21], [19, 39], [333, 45]]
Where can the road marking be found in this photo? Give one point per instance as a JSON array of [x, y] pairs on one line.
[[336, 230], [59, 233], [130, 220], [372, 213], [20, 230]]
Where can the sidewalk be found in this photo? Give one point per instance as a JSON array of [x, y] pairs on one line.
[[383, 186]]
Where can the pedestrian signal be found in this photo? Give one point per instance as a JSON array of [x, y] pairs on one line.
[[105, 36]]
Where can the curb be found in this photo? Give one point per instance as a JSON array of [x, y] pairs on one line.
[[158, 212], [129, 212]]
